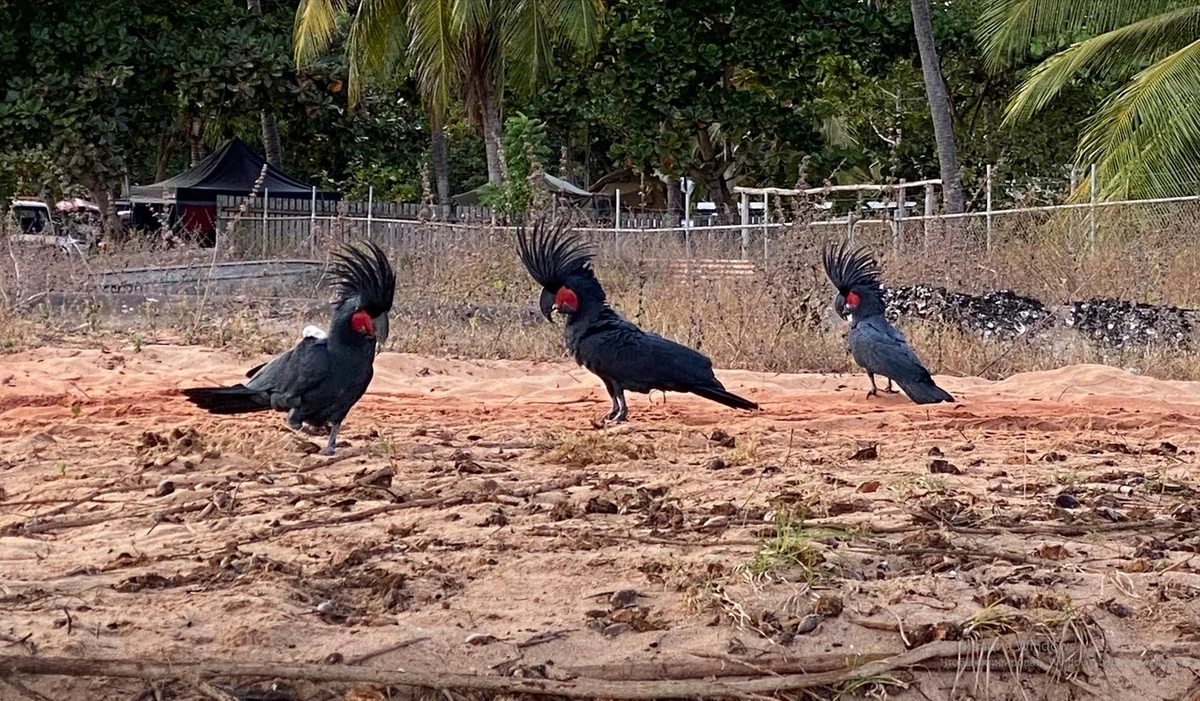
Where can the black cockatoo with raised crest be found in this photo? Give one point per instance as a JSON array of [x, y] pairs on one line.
[[624, 357], [322, 377], [876, 345]]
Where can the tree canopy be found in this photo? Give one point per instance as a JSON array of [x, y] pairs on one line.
[[760, 92]]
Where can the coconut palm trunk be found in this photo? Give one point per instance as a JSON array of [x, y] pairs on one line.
[[196, 139], [939, 107], [493, 131], [457, 51], [441, 164], [270, 136], [270, 129]]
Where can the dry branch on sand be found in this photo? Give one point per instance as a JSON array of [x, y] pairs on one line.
[[1020, 653]]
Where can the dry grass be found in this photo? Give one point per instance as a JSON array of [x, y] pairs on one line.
[[463, 293], [585, 450]]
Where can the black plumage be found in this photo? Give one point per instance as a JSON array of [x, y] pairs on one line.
[[623, 356], [320, 379], [877, 346]]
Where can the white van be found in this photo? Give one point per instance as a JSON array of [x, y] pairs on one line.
[[36, 227]]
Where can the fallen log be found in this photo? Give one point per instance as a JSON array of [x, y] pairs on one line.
[[748, 685]]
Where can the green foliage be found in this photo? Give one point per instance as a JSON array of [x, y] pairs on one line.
[[525, 151], [70, 110], [690, 89], [705, 89], [87, 102], [380, 144], [465, 153], [454, 50], [1145, 137]]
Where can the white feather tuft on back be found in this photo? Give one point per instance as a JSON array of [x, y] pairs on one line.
[[311, 331]]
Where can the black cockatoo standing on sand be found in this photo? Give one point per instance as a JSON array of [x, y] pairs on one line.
[[623, 356], [875, 344], [325, 374]]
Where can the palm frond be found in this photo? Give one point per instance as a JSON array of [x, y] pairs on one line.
[[527, 36], [316, 21], [475, 15], [1007, 27], [1112, 52], [435, 49], [1145, 138], [580, 22], [378, 38], [456, 48], [837, 132]]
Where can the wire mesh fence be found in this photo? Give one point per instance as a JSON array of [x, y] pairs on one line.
[[752, 296], [974, 236]]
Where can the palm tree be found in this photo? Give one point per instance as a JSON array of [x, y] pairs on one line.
[[457, 49], [1145, 137], [270, 128], [939, 106]]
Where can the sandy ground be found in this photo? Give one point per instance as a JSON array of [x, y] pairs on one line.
[[477, 521]]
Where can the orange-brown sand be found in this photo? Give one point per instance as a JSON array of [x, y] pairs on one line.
[[524, 516]]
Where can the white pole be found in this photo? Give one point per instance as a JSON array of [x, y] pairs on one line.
[[745, 226], [898, 240], [370, 208], [312, 220], [687, 222], [989, 207], [265, 199], [617, 221], [1092, 211], [928, 211], [766, 220]]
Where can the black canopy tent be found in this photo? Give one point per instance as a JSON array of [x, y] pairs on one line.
[[233, 170]]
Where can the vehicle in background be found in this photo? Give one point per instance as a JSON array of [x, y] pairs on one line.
[[32, 216], [80, 219], [37, 227]]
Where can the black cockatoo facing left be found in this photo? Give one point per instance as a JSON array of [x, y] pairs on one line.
[[325, 374], [877, 346], [623, 356]]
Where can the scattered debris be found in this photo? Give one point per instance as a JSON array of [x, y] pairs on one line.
[[866, 451], [623, 598], [1003, 314], [722, 439], [1067, 501], [1052, 552], [829, 606], [596, 505], [808, 624], [480, 639], [817, 545], [1113, 323]]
